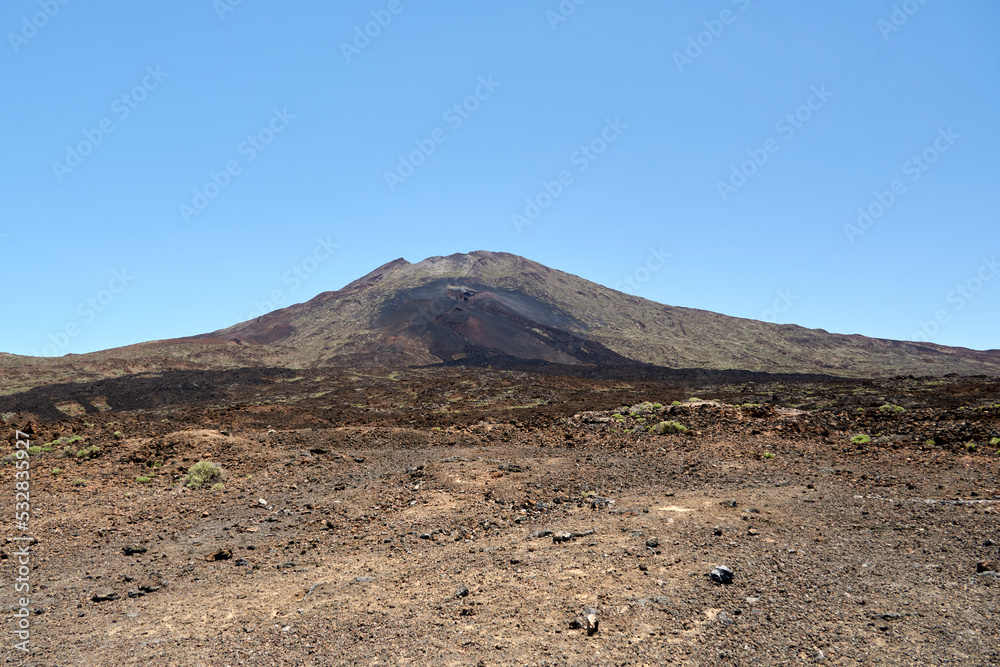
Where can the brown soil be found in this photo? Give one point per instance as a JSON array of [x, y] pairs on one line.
[[458, 517]]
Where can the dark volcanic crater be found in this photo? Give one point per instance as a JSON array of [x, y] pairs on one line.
[[467, 319]]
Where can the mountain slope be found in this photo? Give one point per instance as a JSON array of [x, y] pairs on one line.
[[481, 305], [504, 310]]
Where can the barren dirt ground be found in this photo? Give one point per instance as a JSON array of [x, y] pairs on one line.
[[354, 532]]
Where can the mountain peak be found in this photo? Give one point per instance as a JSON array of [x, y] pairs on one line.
[[379, 274], [499, 308]]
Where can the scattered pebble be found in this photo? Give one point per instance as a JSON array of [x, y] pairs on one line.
[[105, 596], [587, 622], [721, 574]]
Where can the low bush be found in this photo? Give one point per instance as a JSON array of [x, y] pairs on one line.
[[670, 427], [201, 473], [87, 453]]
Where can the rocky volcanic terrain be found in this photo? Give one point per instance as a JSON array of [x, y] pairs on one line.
[[477, 460], [497, 310], [458, 516]]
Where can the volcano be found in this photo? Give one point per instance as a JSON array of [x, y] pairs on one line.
[[495, 308], [504, 311]]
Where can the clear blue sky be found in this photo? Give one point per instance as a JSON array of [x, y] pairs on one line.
[[116, 113]]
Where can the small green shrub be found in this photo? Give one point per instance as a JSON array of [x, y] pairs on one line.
[[143, 479], [79, 482], [118, 435], [57, 471], [693, 399], [201, 473], [676, 403], [995, 442], [889, 407], [670, 427], [67, 453], [64, 440], [87, 453], [618, 416], [861, 440], [930, 442], [768, 455], [218, 486], [970, 446], [34, 450]]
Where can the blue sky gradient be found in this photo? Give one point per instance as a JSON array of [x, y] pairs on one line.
[[171, 168]]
